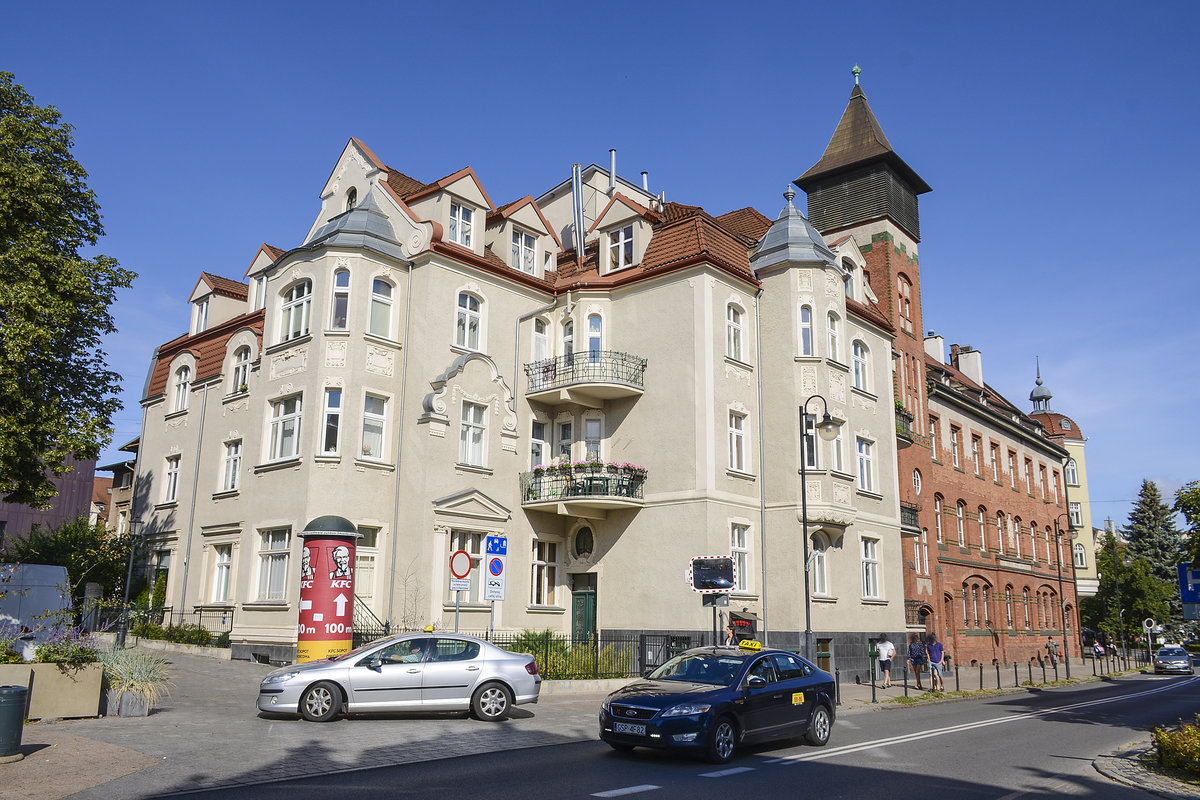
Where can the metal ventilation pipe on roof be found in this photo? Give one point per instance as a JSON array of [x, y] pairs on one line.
[[577, 203], [612, 171], [645, 181]]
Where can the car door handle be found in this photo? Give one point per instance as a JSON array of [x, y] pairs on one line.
[[413, 671], [472, 669]]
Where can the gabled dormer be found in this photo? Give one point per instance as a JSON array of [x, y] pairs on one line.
[[624, 228], [459, 204], [520, 236], [214, 300], [256, 276]]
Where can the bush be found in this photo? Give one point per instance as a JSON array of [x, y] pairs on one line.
[[148, 630], [10, 644], [67, 646], [1180, 747], [222, 640], [559, 658], [188, 633]]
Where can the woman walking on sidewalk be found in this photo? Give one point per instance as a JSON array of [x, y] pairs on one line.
[[935, 650], [916, 656]]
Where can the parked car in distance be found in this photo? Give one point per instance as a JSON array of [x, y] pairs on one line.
[[409, 672], [711, 700], [1173, 658]]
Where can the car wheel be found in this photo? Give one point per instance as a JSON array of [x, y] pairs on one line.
[[819, 727], [722, 741], [492, 702], [321, 702]]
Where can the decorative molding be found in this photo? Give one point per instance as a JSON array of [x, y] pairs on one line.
[[841, 493], [289, 362], [837, 388], [813, 489], [380, 361], [334, 382], [738, 374], [240, 405], [833, 285], [804, 281], [739, 406], [177, 423], [335, 354], [341, 262], [808, 381], [285, 388]]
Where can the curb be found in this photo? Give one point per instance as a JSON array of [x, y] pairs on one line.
[[1124, 766]]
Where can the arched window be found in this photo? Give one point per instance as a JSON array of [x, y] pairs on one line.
[[1008, 615], [1025, 603], [183, 383], [806, 331], [381, 308], [351, 198], [541, 345], [595, 337], [1000, 531], [861, 371], [937, 517], [1071, 473], [923, 563], [1016, 530], [241, 371], [834, 348], [982, 528], [341, 300], [1080, 556], [294, 311], [568, 339], [819, 572], [905, 298], [733, 332], [917, 481], [1033, 537], [469, 321], [960, 516]]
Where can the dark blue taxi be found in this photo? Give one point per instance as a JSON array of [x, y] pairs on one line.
[[712, 700]]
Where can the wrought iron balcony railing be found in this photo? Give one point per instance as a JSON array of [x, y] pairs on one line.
[[909, 518], [563, 485], [592, 366], [904, 429]]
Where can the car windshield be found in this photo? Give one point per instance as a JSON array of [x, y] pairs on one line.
[[718, 670], [1172, 652]]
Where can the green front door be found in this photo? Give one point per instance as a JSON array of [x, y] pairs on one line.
[[583, 606]]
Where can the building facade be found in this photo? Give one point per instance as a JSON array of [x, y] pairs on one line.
[[614, 383]]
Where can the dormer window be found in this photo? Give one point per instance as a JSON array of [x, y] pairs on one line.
[[524, 251], [351, 198], [460, 224], [200, 317], [1066, 424], [620, 248]]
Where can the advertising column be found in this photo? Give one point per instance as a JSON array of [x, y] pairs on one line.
[[326, 625]]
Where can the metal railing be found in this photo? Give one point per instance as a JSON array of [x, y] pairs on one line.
[[909, 518], [367, 626], [594, 366], [555, 484]]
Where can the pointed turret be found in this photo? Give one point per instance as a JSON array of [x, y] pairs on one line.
[[791, 239], [860, 177], [1040, 396]]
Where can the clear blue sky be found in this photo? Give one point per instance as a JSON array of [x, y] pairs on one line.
[[1059, 139]]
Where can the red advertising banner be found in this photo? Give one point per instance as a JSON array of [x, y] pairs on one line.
[[326, 595]]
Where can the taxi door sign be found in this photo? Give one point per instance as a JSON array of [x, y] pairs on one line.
[[797, 698], [494, 572]]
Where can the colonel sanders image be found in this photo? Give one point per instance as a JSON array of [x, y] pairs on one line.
[[341, 562], [306, 570]]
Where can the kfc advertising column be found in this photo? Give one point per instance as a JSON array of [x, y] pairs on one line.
[[326, 588]]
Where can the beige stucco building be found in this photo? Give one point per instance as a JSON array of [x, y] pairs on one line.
[[429, 365]]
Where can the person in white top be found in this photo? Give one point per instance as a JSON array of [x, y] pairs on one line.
[[886, 652]]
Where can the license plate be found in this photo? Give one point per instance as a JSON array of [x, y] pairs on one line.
[[630, 728]]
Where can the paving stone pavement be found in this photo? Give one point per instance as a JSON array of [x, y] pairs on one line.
[[208, 733]]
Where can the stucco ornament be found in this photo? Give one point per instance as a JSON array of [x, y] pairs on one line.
[[290, 362], [452, 386], [380, 361], [232, 408], [833, 285], [335, 354]]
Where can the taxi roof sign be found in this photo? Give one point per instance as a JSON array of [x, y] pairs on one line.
[[750, 644]]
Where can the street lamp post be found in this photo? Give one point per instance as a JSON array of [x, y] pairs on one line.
[[135, 527], [828, 429], [1062, 600], [1117, 585]]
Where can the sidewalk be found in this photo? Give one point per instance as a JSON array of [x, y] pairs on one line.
[[208, 734]]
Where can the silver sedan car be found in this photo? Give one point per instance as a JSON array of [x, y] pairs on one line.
[[409, 672]]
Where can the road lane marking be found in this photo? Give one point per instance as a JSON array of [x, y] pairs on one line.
[[724, 772], [645, 787], [912, 737]]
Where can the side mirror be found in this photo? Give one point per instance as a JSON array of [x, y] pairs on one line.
[[375, 663], [755, 682]]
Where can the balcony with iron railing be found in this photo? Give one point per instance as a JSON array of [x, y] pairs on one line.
[[589, 378], [583, 490], [904, 429], [910, 521]]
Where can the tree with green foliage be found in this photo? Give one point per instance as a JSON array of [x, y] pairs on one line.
[[1142, 594], [90, 554], [1187, 503], [57, 397], [1152, 534]]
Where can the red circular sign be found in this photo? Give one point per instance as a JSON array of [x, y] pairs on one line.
[[460, 564]]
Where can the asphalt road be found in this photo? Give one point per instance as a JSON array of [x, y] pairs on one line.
[[1037, 744]]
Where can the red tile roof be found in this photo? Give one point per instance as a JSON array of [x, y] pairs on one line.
[[747, 222], [207, 347], [225, 286]]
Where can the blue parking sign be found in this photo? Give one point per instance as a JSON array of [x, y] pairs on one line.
[[497, 545], [1189, 583]]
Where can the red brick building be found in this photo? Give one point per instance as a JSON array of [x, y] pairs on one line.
[[981, 484]]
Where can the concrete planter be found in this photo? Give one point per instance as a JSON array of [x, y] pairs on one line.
[[125, 704], [57, 691]]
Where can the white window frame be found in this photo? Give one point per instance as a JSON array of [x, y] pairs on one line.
[[872, 574], [862, 365], [937, 518], [595, 337], [995, 464], [976, 455], [380, 321], [274, 553], [260, 292], [468, 327], [819, 572], [836, 449], [366, 555], [241, 369], [1071, 472], [1080, 555], [593, 436], [864, 449], [472, 442], [222, 572], [232, 466], [524, 251], [541, 341], [331, 422], [339, 310], [810, 448], [1075, 514], [806, 331], [960, 514], [737, 441], [183, 386], [544, 571], [171, 483], [982, 519], [294, 310], [374, 427], [739, 547], [917, 481], [733, 332], [539, 447], [620, 248], [954, 460], [285, 424], [565, 443], [462, 218], [833, 338], [200, 317]]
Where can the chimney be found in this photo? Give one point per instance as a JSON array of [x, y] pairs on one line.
[[935, 347], [612, 171], [645, 181], [968, 361]]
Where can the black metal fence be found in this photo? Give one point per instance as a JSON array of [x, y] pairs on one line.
[[593, 366], [607, 654], [207, 626], [599, 481]]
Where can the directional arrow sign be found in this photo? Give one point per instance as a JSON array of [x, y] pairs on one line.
[[340, 601]]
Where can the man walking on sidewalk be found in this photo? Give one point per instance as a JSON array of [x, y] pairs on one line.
[[1052, 650]]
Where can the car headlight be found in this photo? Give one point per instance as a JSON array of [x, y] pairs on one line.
[[687, 710], [281, 678]]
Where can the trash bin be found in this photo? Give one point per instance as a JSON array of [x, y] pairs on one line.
[[12, 718]]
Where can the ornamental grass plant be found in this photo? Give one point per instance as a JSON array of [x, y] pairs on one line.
[[138, 672]]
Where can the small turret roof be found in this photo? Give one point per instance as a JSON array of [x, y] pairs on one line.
[[791, 239]]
